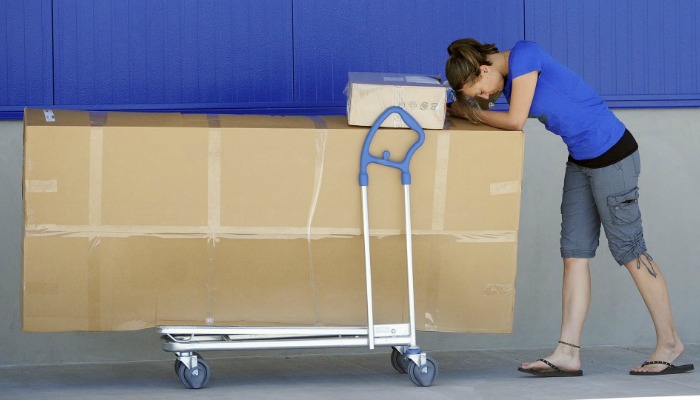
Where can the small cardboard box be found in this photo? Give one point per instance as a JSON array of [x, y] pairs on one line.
[[370, 93], [134, 220]]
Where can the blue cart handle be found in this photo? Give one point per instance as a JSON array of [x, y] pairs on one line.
[[366, 158]]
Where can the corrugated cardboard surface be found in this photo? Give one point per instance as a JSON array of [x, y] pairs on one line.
[[139, 220], [370, 93]]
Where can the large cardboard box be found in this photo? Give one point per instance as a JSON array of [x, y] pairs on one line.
[[370, 93], [134, 220]]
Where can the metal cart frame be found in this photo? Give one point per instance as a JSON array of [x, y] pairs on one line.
[[406, 356]]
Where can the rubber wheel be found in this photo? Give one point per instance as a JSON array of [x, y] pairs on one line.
[[425, 375], [194, 378], [177, 367], [399, 361], [181, 370]]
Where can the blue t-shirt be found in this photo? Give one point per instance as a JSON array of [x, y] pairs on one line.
[[565, 104]]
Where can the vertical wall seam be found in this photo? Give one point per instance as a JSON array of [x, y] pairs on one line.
[[295, 91]]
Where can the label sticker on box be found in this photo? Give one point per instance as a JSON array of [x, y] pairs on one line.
[[393, 79], [421, 79]]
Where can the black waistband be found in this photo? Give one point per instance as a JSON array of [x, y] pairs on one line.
[[623, 148]]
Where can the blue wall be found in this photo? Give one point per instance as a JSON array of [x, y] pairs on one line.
[[26, 66], [172, 53], [334, 37], [293, 56], [636, 53]]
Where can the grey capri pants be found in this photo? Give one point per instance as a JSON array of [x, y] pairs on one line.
[[607, 196]]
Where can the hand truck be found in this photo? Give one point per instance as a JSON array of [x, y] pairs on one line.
[[406, 357]]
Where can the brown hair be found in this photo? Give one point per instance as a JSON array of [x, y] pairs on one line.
[[466, 56]]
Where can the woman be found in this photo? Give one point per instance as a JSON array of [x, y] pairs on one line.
[[600, 185]]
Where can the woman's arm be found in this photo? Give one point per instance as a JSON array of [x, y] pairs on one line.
[[522, 93]]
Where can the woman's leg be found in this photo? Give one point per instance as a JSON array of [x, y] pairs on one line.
[[652, 286], [576, 297], [580, 232], [615, 189]]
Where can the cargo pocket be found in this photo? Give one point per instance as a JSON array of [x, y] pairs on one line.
[[624, 208]]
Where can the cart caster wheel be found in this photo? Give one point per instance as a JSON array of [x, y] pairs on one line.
[[177, 367], [194, 378], [425, 375], [399, 361]]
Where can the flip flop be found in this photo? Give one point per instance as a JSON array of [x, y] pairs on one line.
[[670, 368], [554, 372]]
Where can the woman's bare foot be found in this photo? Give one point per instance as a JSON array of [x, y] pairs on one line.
[[565, 357], [667, 352], [563, 363]]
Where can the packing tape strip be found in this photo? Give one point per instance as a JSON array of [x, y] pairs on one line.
[[320, 142], [95, 176], [214, 183], [94, 274], [431, 279], [39, 186], [213, 206], [508, 187], [321, 138], [395, 120], [98, 118], [498, 289], [442, 161], [486, 236], [213, 120], [204, 232]]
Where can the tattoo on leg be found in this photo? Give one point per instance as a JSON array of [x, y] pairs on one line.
[[645, 259]]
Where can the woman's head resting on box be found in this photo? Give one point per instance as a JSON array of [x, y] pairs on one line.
[[476, 70]]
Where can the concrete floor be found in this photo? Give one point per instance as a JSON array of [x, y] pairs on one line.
[[489, 374]]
